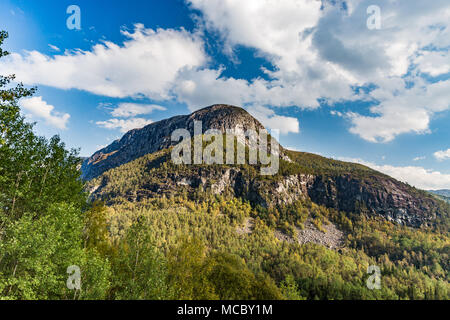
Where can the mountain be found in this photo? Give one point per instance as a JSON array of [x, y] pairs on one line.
[[309, 231], [443, 194], [138, 167], [157, 136]]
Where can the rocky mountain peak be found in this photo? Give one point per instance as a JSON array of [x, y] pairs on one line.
[[157, 136]]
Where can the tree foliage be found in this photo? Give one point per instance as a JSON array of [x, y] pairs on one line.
[[41, 210]]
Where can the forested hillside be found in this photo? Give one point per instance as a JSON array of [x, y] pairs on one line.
[[414, 262], [143, 230]]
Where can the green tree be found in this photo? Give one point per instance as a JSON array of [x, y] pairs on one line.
[[34, 171], [233, 280], [96, 229], [35, 254], [290, 290], [188, 272], [41, 210], [139, 269]]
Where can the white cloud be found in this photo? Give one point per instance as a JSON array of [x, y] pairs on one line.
[[416, 176], [274, 28], [419, 158], [434, 63], [124, 125], [198, 88], [272, 121], [336, 113], [293, 149], [127, 110], [442, 155], [401, 110], [54, 48], [40, 109], [145, 64], [390, 124], [270, 26], [320, 50]]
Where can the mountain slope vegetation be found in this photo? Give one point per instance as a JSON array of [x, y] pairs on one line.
[[213, 204], [149, 229]]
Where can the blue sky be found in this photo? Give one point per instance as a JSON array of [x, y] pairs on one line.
[[316, 71]]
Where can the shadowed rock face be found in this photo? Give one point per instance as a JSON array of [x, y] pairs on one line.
[[381, 195], [157, 136]]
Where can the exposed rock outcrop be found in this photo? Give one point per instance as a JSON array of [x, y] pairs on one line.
[[379, 195], [332, 238]]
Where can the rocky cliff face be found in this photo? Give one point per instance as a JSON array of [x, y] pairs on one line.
[[380, 195], [377, 196], [157, 136]]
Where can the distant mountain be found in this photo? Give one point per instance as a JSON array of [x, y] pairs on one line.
[[138, 167], [443, 194]]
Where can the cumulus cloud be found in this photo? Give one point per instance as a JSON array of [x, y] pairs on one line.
[[124, 125], [320, 49], [336, 113], [145, 64], [280, 31], [38, 108], [416, 176], [390, 124], [198, 88], [401, 111], [272, 121], [434, 63], [442, 155], [127, 109]]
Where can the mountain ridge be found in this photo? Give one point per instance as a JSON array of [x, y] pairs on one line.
[[442, 194], [335, 184]]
